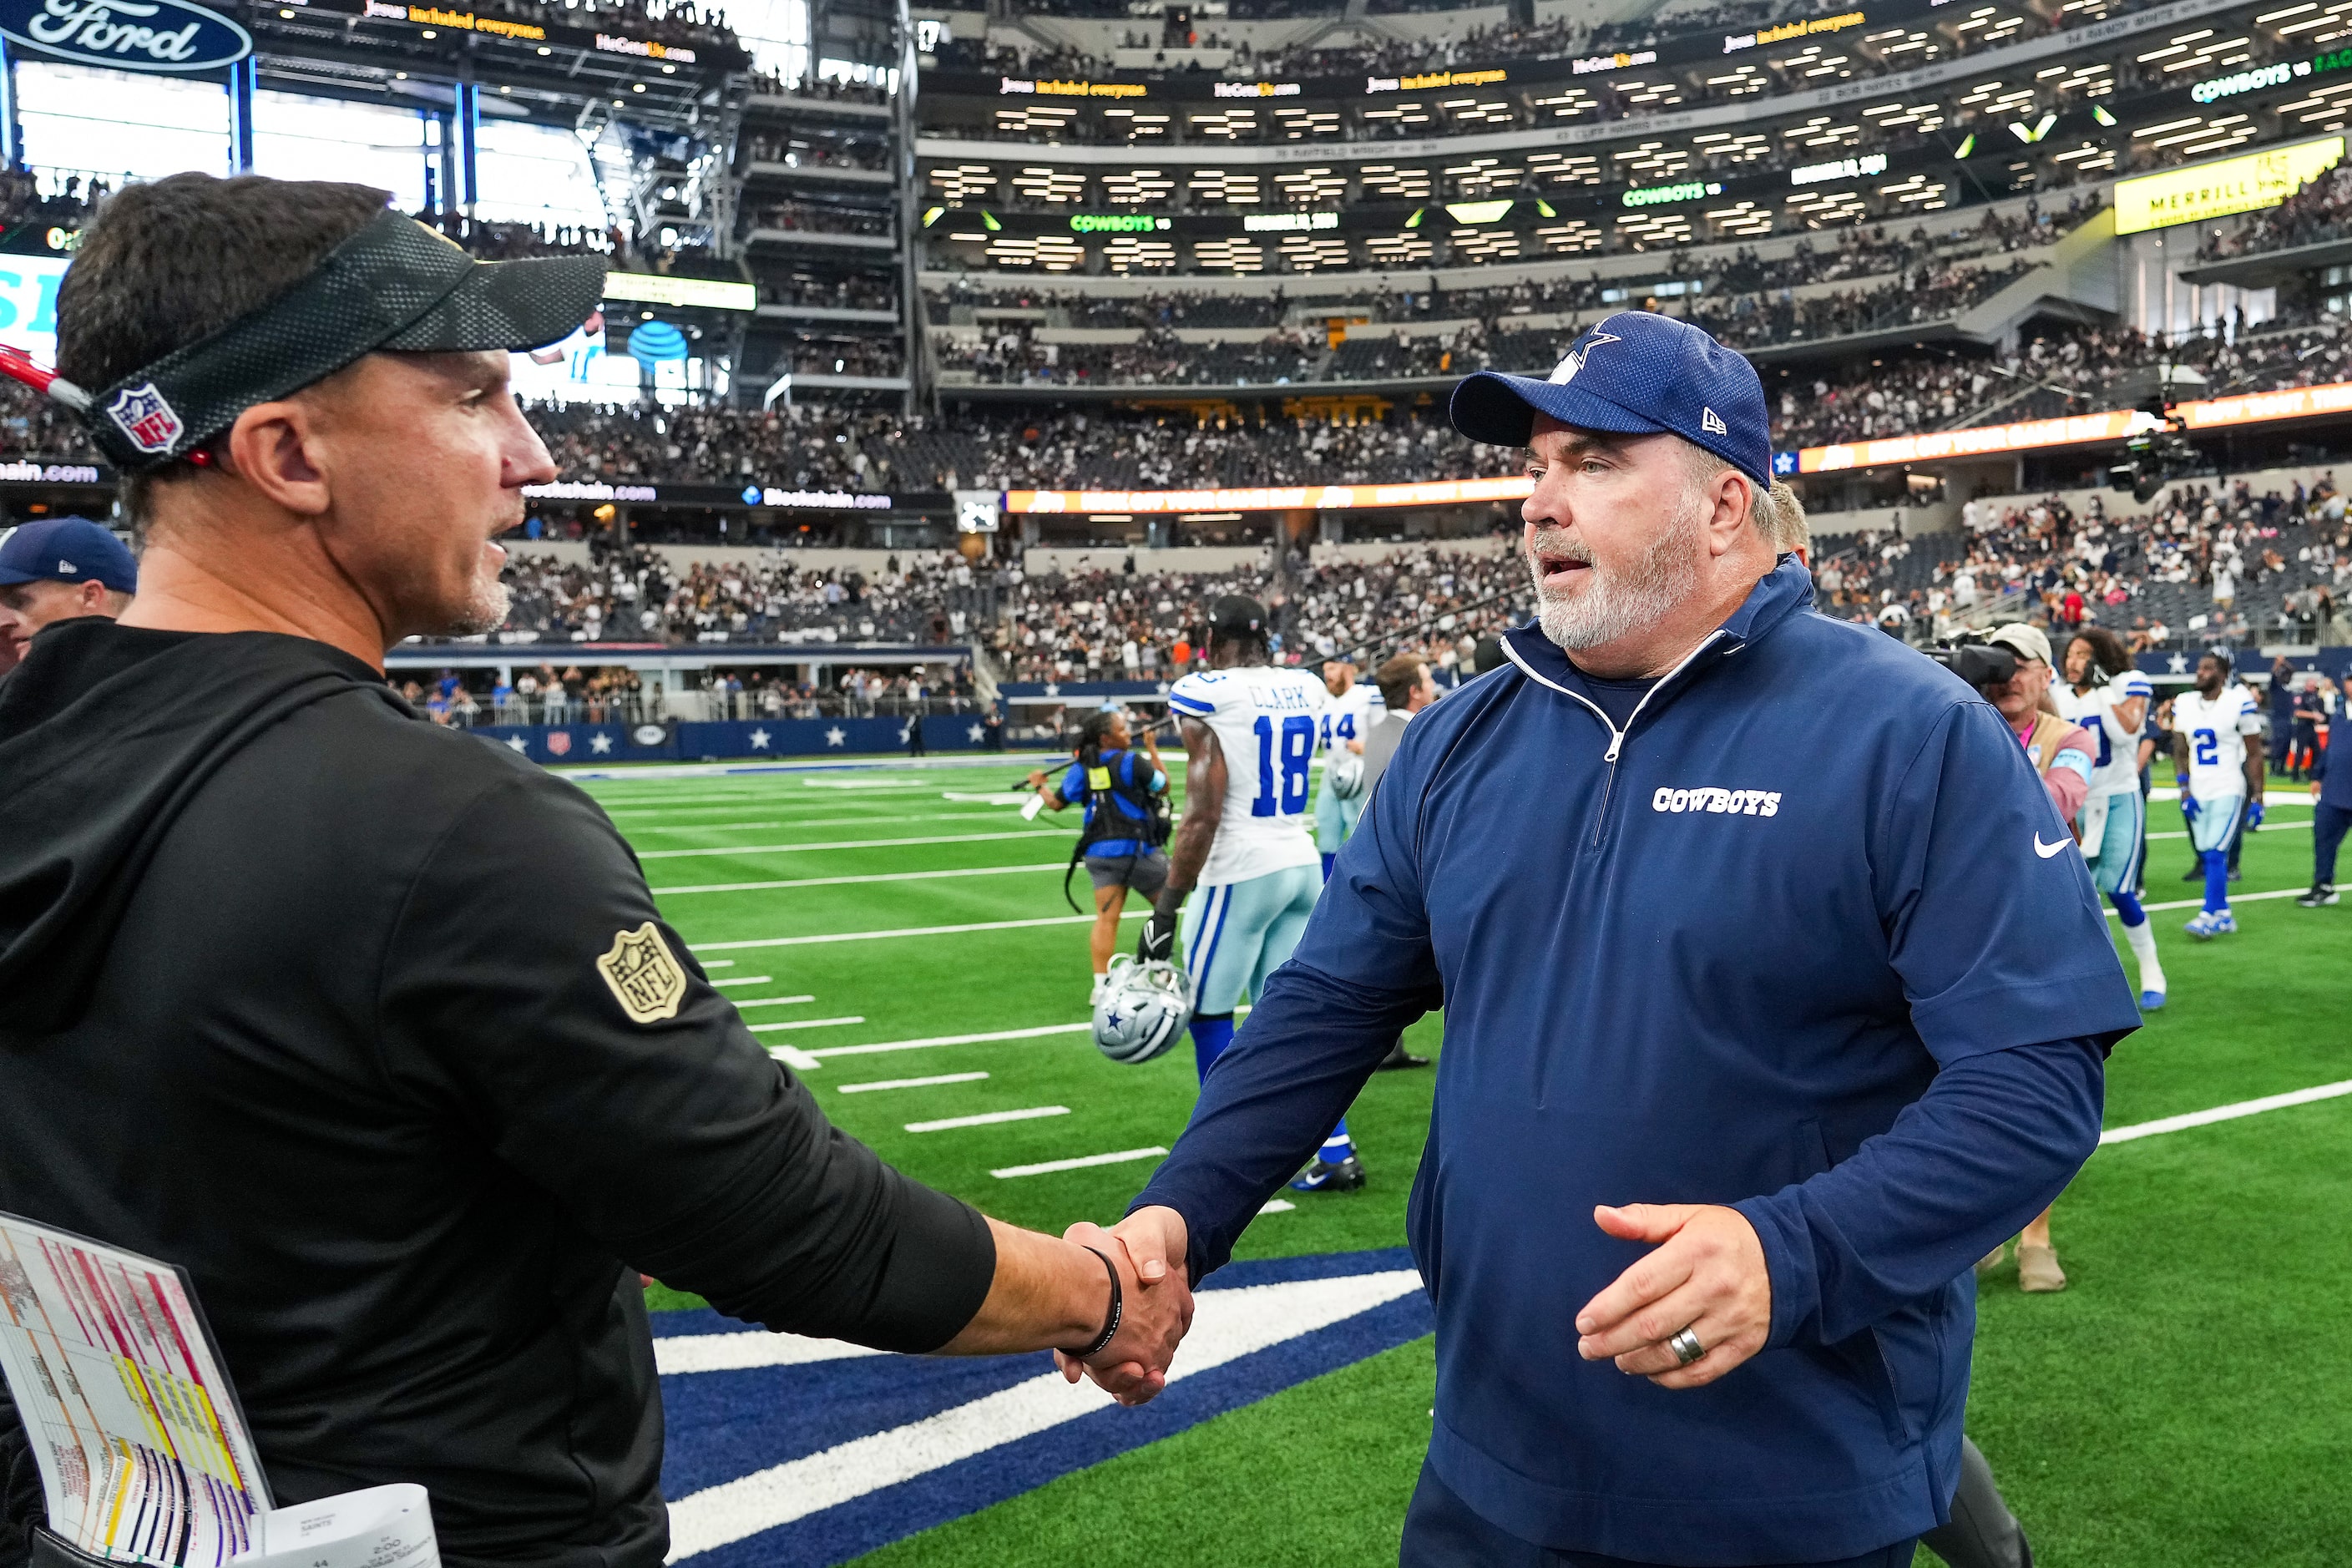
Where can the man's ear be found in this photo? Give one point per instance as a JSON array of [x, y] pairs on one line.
[[1735, 499], [274, 447]]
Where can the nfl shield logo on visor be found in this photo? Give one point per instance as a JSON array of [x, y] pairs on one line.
[[141, 413]]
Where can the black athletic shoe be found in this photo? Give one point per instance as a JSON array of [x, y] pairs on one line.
[[2321, 893], [1344, 1177], [1399, 1057], [2194, 874]]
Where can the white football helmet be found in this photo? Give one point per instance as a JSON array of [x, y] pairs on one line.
[[1142, 1009]]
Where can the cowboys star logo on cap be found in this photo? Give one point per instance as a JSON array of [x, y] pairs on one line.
[[141, 413], [1565, 372]]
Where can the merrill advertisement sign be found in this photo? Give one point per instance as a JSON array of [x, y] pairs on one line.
[[127, 35], [2245, 183]]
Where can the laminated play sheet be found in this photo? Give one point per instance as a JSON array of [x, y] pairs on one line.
[[143, 1452]]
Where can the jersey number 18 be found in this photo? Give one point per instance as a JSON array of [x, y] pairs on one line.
[[1297, 747]]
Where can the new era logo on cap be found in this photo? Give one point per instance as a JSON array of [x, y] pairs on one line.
[[66, 567], [1712, 423]]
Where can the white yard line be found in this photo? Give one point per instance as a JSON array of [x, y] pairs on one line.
[[2225, 1112], [1276, 1205], [875, 1085], [2270, 824], [877, 814], [802, 1024], [865, 877], [770, 1001], [723, 964], [906, 931], [1083, 1163], [988, 1119], [799, 1062], [851, 844], [740, 979], [2235, 898], [957, 1040]]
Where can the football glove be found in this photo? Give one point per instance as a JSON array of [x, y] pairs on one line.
[[1158, 943], [2253, 815], [2187, 805]]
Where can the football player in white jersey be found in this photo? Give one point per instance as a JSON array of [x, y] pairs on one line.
[[2221, 779], [1250, 732], [2114, 820], [1347, 720]]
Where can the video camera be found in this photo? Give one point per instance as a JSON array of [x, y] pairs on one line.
[[1982, 664], [2153, 456]]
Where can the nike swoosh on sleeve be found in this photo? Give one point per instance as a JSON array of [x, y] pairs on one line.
[[2047, 850]]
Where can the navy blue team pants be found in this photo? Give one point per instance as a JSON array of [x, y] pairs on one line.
[[1441, 1530], [2328, 823]]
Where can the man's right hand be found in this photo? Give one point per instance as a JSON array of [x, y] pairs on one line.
[[1158, 943], [1157, 1309], [2187, 804]]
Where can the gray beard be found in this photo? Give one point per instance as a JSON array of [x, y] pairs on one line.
[[483, 611], [1611, 607]]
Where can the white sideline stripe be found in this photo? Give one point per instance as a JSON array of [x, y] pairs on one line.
[[740, 979], [802, 1024], [1082, 1163], [988, 1119], [849, 843], [870, 783], [873, 1084], [799, 1062], [957, 1040], [741, 1352], [1227, 1325], [1003, 797], [766, 1001], [867, 877], [2225, 1112], [906, 931], [2269, 824], [2235, 898]]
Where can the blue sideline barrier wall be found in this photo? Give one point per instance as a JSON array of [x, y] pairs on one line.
[[732, 739]]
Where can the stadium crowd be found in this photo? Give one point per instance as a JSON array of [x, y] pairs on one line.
[[2203, 564]]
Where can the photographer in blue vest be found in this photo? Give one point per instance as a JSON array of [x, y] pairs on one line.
[[1124, 793], [1785, 994]]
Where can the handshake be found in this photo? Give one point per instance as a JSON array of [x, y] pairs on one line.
[[1154, 1304]]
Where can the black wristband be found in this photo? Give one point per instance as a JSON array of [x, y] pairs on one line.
[[1117, 1309]]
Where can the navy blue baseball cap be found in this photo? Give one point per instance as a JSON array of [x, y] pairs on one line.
[[67, 550], [1631, 374]]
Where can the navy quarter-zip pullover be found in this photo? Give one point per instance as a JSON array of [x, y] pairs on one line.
[[1802, 936]]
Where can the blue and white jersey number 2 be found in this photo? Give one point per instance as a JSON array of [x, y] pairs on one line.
[[1296, 748], [2208, 747]]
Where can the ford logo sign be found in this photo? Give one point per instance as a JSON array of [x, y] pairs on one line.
[[127, 35], [649, 735]]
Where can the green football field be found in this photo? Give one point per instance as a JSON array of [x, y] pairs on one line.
[[2183, 1402]]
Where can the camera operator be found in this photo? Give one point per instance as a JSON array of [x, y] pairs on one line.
[[2062, 752]]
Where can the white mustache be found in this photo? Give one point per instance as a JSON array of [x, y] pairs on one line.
[[1557, 546]]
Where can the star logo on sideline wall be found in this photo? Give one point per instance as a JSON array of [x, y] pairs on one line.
[[600, 742], [759, 740], [518, 746], [834, 737]]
